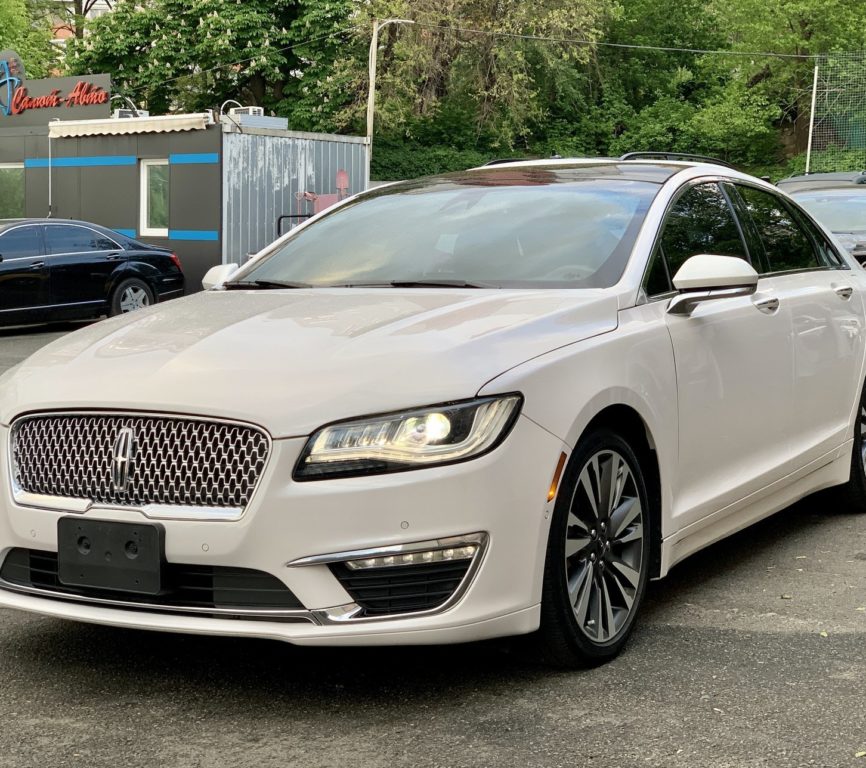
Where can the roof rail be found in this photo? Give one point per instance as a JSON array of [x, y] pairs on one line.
[[675, 156], [502, 160]]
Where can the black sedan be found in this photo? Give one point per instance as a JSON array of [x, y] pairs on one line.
[[59, 269]]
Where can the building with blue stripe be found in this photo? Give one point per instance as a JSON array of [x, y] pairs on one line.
[[212, 191]]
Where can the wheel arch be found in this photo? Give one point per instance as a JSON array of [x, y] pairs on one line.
[[628, 423], [127, 270]]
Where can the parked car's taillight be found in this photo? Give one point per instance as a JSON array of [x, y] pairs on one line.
[[176, 261]]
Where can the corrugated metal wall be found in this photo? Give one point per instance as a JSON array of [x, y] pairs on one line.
[[263, 173]]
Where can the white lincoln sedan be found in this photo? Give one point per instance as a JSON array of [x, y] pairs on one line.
[[482, 404]]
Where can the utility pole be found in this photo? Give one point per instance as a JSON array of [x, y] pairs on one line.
[[371, 93], [812, 121]]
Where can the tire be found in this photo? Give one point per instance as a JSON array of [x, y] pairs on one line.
[[593, 590], [130, 295], [851, 497]]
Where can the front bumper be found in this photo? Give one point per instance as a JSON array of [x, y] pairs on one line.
[[289, 528]]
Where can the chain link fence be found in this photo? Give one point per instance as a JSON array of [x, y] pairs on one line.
[[838, 133]]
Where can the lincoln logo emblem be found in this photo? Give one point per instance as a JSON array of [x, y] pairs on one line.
[[124, 453]]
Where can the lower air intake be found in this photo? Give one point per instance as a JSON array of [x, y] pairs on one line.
[[186, 586], [402, 589]]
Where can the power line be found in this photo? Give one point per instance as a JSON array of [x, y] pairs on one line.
[[501, 34], [627, 46]]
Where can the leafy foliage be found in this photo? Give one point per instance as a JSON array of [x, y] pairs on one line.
[[451, 93], [26, 32]]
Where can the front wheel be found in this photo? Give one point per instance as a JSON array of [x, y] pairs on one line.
[[130, 295], [598, 554]]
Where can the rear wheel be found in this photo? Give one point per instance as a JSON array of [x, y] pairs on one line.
[[598, 554], [130, 295], [852, 495]]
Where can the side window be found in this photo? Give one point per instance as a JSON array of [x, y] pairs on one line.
[[657, 280], [11, 190], [827, 255], [67, 238], [20, 242], [701, 221], [786, 245]]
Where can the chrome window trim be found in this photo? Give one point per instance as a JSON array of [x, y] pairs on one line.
[[12, 229], [64, 253], [80, 226], [152, 511]]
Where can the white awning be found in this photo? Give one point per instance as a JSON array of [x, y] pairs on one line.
[[125, 125]]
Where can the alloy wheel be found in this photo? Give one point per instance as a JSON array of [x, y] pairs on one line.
[[134, 298], [604, 546]]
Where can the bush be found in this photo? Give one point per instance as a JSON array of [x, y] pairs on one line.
[[394, 161]]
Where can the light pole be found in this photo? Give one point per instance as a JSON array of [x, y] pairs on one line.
[[371, 93]]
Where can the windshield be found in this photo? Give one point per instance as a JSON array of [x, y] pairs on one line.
[[519, 231], [838, 210]]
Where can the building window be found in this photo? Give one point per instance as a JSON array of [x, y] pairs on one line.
[[154, 198], [11, 190]]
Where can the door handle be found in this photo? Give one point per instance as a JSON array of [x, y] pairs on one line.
[[37, 265], [768, 306], [112, 257], [844, 292]]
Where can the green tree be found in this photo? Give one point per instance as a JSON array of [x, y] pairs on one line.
[[319, 90], [799, 27], [30, 37], [437, 84], [179, 54]]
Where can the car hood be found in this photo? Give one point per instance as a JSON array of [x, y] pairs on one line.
[[293, 360]]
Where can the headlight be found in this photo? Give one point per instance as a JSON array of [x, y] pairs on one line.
[[394, 442]]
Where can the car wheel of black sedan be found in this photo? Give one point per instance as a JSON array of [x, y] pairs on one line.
[[598, 554], [130, 295]]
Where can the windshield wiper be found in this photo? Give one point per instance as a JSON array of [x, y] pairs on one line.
[[415, 284], [263, 285], [438, 284]]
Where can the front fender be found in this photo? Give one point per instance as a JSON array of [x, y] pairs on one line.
[[633, 365]]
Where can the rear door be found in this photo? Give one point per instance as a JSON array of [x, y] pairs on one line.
[[23, 270], [826, 308], [81, 261], [733, 362]]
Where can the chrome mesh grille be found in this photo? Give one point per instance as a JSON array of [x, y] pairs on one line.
[[176, 461]]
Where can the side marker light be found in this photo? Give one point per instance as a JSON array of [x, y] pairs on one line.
[[554, 484]]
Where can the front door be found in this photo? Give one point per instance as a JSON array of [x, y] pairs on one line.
[[82, 261], [23, 271]]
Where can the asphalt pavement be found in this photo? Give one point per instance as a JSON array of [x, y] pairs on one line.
[[751, 653]]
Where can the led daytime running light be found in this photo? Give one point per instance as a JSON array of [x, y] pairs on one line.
[[466, 552]]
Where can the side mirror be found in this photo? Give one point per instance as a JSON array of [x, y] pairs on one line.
[[709, 278], [218, 275]]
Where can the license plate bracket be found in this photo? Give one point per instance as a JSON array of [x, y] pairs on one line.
[[120, 557]]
